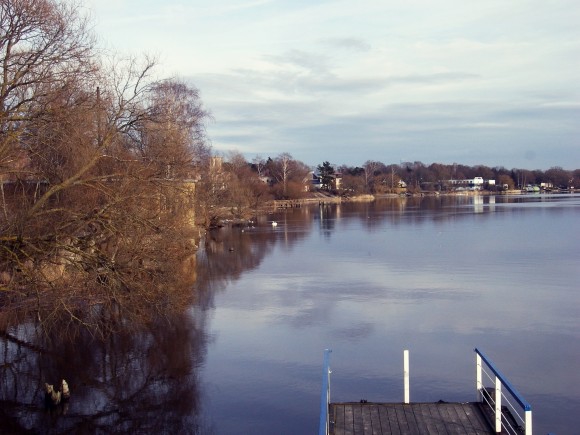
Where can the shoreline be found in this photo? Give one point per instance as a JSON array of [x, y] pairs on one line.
[[322, 199]]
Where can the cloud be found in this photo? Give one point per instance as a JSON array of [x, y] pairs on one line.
[[311, 62], [347, 43], [491, 80]]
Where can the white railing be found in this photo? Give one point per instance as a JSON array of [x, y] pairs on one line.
[[325, 395], [514, 418]]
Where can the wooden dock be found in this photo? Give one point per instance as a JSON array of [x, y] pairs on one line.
[[409, 419], [500, 409]]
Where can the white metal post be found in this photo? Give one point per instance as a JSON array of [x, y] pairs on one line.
[[406, 374], [479, 380], [528, 418], [497, 404]]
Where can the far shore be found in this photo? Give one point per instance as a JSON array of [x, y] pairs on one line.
[[329, 198], [321, 198]]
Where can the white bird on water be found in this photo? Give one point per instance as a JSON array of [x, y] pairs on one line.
[[274, 223]]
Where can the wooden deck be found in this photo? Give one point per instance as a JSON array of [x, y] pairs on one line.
[[408, 419]]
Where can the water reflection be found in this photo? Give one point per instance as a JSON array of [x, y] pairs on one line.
[[129, 383], [367, 279], [437, 274], [417, 209], [228, 252]]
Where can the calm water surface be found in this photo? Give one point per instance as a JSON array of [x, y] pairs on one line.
[[437, 276]]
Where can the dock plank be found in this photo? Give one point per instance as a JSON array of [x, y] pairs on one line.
[[358, 423], [376, 420], [460, 419], [348, 420], [408, 419], [412, 419], [337, 418], [475, 418], [366, 416], [402, 420], [429, 422], [438, 419], [389, 420], [451, 420]]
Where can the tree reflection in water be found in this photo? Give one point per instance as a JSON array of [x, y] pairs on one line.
[[228, 252], [130, 382], [142, 382]]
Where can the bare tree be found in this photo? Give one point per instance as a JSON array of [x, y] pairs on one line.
[[247, 190], [97, 169], [290, 174], [259, 164], [370, 168], [284, 170]]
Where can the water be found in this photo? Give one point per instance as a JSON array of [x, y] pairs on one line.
[[437, 276]]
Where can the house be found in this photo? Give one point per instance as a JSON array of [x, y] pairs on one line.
[[267, 180], [317, 184], [476, 183]]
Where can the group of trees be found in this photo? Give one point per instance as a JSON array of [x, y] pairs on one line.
[[234, 188], [250, 184], [104, 169], [376, 177], [97, 159]]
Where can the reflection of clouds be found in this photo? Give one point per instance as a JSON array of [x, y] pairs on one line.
[[428, 275], [356, 331], [314, 299], [417, 264], [346, 292]]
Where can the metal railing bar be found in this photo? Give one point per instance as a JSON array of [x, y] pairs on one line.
[[506, 424], [505, 382], [489, 403], [487, 374], [516, 412]]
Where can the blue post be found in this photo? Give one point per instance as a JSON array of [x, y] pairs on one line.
[[325, 394]]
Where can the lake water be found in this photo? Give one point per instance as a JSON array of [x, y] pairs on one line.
[[436, 275]]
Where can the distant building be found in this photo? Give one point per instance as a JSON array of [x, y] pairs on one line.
[[477, 183], [316, 181], [267, 180]]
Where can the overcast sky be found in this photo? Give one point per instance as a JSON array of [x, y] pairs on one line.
[[494, 82]]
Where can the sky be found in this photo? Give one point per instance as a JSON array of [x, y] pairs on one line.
[[494, 82]]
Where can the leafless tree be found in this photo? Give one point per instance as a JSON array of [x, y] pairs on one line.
[[370, 168], [97, 167], [260, 165], [284, 170], [290, 174], [247, 190]]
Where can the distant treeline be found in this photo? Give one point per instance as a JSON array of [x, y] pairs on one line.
[[283, 177], [417, 175]]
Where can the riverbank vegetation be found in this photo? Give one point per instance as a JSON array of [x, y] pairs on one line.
[[97, 159], [284, 178], [106, 177]]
